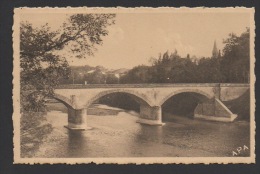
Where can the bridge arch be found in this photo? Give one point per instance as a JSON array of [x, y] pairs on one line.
[[64, 100], [142, 99], [195, 91]]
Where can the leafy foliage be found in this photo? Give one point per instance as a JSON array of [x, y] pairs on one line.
[[34, 128], [235, 63], [111, 79], [97, 77], [139, 74], [42, 67]]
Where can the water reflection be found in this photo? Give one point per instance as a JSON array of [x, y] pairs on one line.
[[121, 136], [152, 134], [76, 141], [147, 140]]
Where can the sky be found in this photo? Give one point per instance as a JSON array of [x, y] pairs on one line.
[[136, 37]]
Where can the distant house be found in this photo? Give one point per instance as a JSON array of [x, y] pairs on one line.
[[117, 75]]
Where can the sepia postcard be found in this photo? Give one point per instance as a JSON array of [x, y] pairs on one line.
[[134, 85]]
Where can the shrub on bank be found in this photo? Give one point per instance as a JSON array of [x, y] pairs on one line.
[[34, 128]]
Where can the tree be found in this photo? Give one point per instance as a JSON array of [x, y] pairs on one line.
[[236, 58], [111, 79], [209, 71], [97, 77], [139, 74], [42, 67]]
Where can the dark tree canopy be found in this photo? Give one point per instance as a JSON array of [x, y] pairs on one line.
[[42, 67], [236, 57]]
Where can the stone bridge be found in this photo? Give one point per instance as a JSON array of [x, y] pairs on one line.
[[77, 98]]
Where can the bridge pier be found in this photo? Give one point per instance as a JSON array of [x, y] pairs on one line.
[[76, 119], [151, 115], [214, 111]]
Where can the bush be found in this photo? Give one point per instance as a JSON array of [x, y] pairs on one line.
[[34, 129], [33, 101]]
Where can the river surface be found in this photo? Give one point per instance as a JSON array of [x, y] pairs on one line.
[[120, 136]]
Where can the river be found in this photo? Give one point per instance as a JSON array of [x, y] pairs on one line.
[[120, 136]]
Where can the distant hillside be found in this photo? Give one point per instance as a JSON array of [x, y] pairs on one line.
[[101, 68], [87, 68], [89, 74], [120, 71], [81, 69]]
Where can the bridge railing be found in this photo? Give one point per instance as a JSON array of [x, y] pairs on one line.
[[153, 85]]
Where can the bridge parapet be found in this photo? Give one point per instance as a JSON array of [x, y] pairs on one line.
[[234, 85], [155, 85]]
